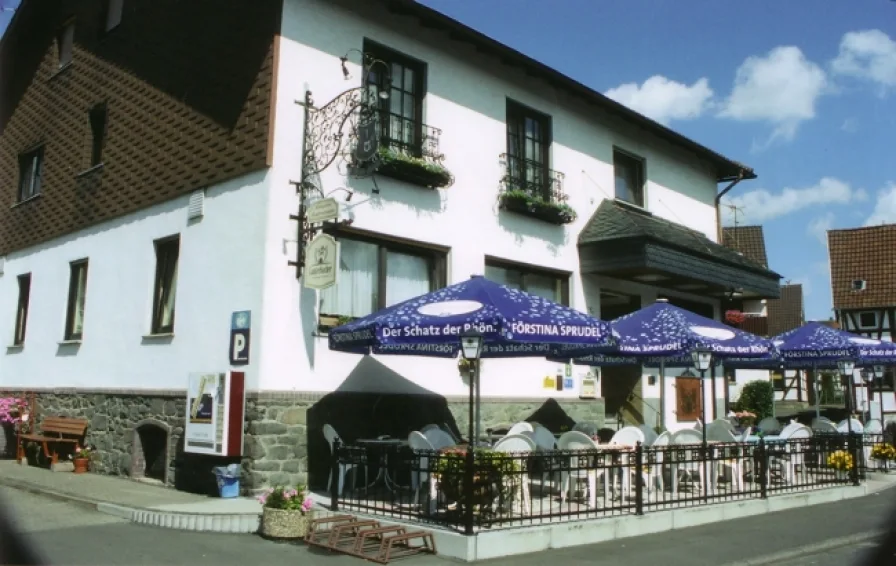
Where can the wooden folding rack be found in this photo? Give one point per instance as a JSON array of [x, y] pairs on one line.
[[367, 539]]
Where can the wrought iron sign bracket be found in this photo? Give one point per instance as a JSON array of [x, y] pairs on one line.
[[326, 130]]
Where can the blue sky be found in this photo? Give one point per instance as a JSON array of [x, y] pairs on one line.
[[804, 91]]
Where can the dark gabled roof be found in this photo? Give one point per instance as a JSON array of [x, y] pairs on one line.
[[748, 240], [726, 169], [616, 221], [786, 313], [867, 254]]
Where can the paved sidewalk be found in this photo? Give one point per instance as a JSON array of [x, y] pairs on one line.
[[136, 501]]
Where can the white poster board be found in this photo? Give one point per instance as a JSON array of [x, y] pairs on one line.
[[205, 424]]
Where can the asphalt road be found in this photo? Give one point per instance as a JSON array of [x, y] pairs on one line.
[[825, 535]]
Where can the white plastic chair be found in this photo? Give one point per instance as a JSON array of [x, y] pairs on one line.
[[691, 462], [519, 446], [574, 441], [874, 426], [439, 438], [844, 426], [718, 432], [520, 427], [416, 441], [650, 435], [823, 425], [794, 456], [655, 469], [331, 435], [769, 425], [628, 436]]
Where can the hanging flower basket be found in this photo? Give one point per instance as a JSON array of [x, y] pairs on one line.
[[734, 317]]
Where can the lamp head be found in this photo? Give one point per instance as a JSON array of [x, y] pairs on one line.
[[879, 371], [702, 358], [471, 344], [846, 366]]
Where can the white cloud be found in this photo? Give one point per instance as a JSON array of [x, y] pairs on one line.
[[819, 227], [780, 88], [885, 207], [663, 99], [761, 205], [869, 55], [850, 125]]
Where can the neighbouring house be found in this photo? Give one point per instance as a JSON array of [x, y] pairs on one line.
[[149, 150], [863, 287], [767, 317]]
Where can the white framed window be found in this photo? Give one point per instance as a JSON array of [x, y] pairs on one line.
[[77, 298], [868, 319], [375, 274], [165, 288], [31, 166]]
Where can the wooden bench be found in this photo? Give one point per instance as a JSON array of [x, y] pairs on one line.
[[54, 432]]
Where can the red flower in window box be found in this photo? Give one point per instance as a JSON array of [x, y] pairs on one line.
[[734, 318]]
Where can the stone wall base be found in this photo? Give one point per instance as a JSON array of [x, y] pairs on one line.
[[281, 445]]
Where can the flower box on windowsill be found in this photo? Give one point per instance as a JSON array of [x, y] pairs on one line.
[[414, 170], [524, 203]]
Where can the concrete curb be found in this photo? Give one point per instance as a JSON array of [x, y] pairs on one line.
[[230, 523]]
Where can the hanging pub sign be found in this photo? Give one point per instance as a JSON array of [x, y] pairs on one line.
[[368, 141], [321, 262], [322, 210]]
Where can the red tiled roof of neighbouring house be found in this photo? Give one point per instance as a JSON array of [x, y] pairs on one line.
[[863, 255], [786, 313], [748, 240]]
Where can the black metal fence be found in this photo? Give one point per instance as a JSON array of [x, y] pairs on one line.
[[878, 453], [471, 490]]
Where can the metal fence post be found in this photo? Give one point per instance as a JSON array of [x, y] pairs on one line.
[[854, 447], [335, 477], [469, 474], [763, 469], [639, 486]]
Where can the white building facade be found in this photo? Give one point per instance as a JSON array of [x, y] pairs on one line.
[[154, 303]]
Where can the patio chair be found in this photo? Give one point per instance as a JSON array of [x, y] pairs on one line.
[[717, 432], [418, 442], [686, 459], [655, 460], [874, 426], [819, 425], [723, 422], [520, 427], [628, 436], [854, 424], [650, 435], [519, 446], [769, 425], [578, 441], [794, 454], [438, 438], [331, 436], [545, 442]]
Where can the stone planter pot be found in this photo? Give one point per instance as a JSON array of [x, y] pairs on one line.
[[81, 465], [284, 524]]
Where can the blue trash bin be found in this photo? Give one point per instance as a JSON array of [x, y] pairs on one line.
[[228, 478]]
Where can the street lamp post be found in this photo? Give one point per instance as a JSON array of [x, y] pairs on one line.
[[879, 371], [847, 367], [702, 359], [471, 349]]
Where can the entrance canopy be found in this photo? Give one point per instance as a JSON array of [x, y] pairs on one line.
[[629, 243]]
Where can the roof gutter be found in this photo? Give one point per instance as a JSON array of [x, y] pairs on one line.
[[741, 175]]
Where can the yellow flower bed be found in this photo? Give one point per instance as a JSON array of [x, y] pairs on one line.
[[841, 460]]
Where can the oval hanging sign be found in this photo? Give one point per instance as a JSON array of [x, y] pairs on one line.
[[322, 210]]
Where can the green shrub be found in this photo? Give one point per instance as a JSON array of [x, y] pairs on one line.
[[758, 397]]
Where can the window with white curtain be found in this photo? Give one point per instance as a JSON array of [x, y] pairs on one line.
[[374, 275], [77, 297], [167, 253], [547, 284]]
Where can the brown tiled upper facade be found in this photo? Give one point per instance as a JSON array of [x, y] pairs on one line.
[[863, 254], [748, 240], [189, 91], [786, 312]]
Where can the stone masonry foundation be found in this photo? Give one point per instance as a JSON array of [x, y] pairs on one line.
[[277, 432]]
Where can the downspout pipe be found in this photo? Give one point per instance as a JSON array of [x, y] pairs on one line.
[[740, 177]]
